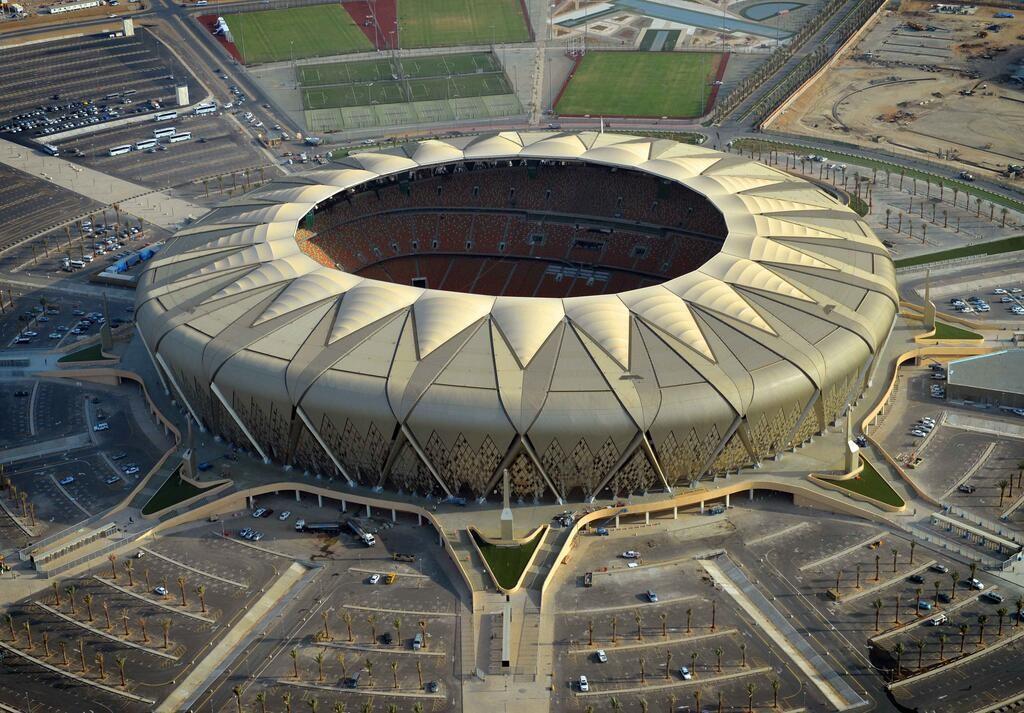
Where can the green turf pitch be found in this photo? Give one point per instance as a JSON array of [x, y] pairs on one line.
[[444, 23], [395, 92], [674, 84], [276, 35], [384, 69]]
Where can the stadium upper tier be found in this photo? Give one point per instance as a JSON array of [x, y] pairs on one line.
[[756, 347]]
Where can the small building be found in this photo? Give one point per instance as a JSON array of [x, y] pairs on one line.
[[995, 379], [272, 139]]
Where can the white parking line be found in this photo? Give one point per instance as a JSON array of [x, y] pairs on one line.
[[864, 543], [68, 496], [198, 571]]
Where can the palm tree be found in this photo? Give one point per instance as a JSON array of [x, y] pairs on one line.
[[689, 616], [743, 655], [423, 631], [878, 560], [898, 649], [982, 619], [368, 706], [912, 546], [718, 655], [113, 570], [639, 625], [237, 693], [286, 698], [419, 673], [394, 673], [261, 698], [129, 569], [750, 697], [28, 635], [938, 584], [102, 668], [918, 592], [56, 593], [181, 586], [895, 554], [942, 646], [10, 625], [693, 663], [347, 618], [954, 577], [974, 569], [145, 636], [88, 604], [70, 591], [120, 661], [64, 655], [877, 605], [664, 624], [344, 665], [696, 700], [397, 623], [919, 643], [294, 653], [339, 707], [776, 684], [46, 644], [590, 632], [668, 664], [166, 626], [615, 704], [896, 616], [320, 665], [372, 621], [313, 704], [201, 592], [713, 603], [81, 653], [106, 613], [963, 635], [643, 670], [1020, 606], [1001, 611], [1002, 490], [124, 620], [369, 671], [615, 626]]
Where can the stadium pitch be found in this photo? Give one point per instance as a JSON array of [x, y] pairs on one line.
[[444, 23], [296, 33], [649, 84]]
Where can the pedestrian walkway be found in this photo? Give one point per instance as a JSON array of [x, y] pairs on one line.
[[154, 207]]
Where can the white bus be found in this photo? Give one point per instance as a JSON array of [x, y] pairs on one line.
[[145, 144], [204, 109], [118, 150], [165, 116], [165, 132], [183, 136], [51, 149]]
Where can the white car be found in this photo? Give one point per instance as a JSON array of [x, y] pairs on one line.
[[685, 673], [584, 685], [55, 335], [602, 657], [374, 578], [285, 515], [162, 591], [975, 584], [631, 555], [67, 480], [999, 291], [938, 620], [258, 512], [101, 426]]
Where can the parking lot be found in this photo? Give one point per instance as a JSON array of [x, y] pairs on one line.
[[29, 204], [54, 81], [217, 147]]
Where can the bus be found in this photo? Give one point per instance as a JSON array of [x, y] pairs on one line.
[[51, 149], [145, 144], [118, 150], [204, 109], [183, 136], [164, 132], [165, 116]]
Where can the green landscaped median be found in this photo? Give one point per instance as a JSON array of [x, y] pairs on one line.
[[871, 484], [996, 247], [93, 353], [949, 331], [173, 491], [507, 563]]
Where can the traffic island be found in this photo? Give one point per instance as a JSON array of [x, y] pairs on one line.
[[865, 484], [178, 490], [507, 563]]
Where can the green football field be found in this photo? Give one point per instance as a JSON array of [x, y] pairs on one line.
[[673, 84], [295, 33], [411, 90], [374, 70], [444, 23]]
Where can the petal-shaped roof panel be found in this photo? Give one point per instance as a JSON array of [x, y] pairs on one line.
[[440, 316], [309, 289], [605, 319], [434, 151], [667, 311], [368, 302], [384, 164], [526, 323]]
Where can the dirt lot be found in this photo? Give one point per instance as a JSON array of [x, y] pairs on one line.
[[899, 88]]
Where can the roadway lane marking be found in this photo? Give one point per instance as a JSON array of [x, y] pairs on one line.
[[779, 533], [148, 600], [68, 495], [901, 577], [971, 471], [203, 573], [100, 632], [400, 611], [652, 641], [703, 680]]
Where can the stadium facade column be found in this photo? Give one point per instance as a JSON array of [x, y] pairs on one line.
[[344, 506], [727, 499], [319, 500], [701, 507], [647, 517], [675, 512], [751, 492], [419, 520], [394, 515], [298, 498], [369, 513]]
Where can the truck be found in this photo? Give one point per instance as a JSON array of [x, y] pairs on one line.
[[313, 141], [367, 538]]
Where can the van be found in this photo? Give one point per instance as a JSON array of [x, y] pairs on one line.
[[390, 578], [77, 263], [417, 642]]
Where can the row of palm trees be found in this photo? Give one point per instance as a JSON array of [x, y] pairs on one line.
[[346, 616], [698, 695], [47, 653], [343, 662], [313, 704], [182, 580], [964, 629], [639, 621]]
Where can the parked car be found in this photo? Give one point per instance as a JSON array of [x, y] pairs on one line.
[[938, 620], [584, 685], [602, 657], [374, 579], [940, 568], [994, 597], [67, 480], [162, 591], [285, 515], [631, 555], [685, 673], [975, 583], [652, 596], [258, 512], [101, 426]]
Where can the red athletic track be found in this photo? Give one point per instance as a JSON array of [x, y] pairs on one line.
[[385, 12], [209, 22]]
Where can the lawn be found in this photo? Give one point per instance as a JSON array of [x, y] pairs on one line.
[[507, 563], [93, 353], [173, 491], [871, 483], [392, 92], [373, 70], [949, 331], [996, 247], [277, 35], [445, 23], [674, 84]]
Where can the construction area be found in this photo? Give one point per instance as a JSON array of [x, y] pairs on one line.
[[941, 82]]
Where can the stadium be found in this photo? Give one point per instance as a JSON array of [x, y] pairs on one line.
[[599, 314]]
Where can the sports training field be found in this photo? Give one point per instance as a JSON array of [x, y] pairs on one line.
[[674, 84], [443, 23], [277, 35]]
